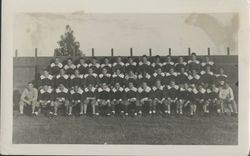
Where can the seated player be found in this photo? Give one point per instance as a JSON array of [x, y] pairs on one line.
[[103, 100], [159, 75], [46, 79], [180, 64], [95, 66], [91, 94], [158, 96], [55, 67], [76, 79], [117, 102], [144, 66], [145, 96], [212, 98], [131, 96], [131, 66], [194, 64], [90, 78], [82, 66], [207, 77], [194, 78], [29, 97], [226, 98], [118, 76], [61, 98], [171, 76], [76, 98], [131, 77], [145, 77], [221, 78], [62, 78], [107, 65], [208, 63], [157, 64], [46, 99], [184, 99], [69, 67], [199, 95], [105, 77], [118, 64], [168, 64], [171, 97], [182, 76]]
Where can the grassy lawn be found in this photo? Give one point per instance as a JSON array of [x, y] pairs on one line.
[[214, 130]]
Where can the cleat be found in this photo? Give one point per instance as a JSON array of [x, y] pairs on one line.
[[135, 114], [150, 112], [126, 114]]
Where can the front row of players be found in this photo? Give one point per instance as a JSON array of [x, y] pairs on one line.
[[131, 100]]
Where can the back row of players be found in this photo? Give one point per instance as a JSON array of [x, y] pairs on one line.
[[113, 88]]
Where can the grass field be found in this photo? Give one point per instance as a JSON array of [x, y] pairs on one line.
[[213, 130]]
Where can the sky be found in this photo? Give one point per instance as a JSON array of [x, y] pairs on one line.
[[123, 31]]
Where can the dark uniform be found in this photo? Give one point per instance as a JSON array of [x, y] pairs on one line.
[[69, 69], [105, 79], [55, 68], [76, 80], [82, 68], [59, 79], [131, 67], [91, 79]]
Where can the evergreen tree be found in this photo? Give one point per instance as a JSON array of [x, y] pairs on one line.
[[67, 44]]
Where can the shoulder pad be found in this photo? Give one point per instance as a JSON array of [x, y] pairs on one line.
[[58, 90], [122, 64], [167, 74], [172, 63], [66, 67], [72, 76], [86, 89], [184, 63], [203, 64], [72, 91], [101, 75], [100, 90], [154, 88], [140, 63], [80, 91], [190, 77], [175, 74], [121, 75], [97, 65], [52, 65], [60, 65], [224, 75], [155, 74], [140, 90], [182, 89], [66, 76], [114, 75], [121, 89], [140, 76], [107, 89], [50, 90], [203, 90], [202, 72], [216, 90], [94, 74], [65, 90], [189, 89], [195, 91], [42, 77], [126, 89], [58, 76], [78, 65], [81, 76], [148, 76], [209, 91], [86, 75], [211, 62], [176, 87], [42, 91], [114, 64], [148, 89], [73, 66], [148, 63], [50, 77]]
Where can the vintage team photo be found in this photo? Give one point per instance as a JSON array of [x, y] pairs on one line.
[[156, 79]]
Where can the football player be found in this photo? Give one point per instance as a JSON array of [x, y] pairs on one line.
[[61, 98], [76, 98]]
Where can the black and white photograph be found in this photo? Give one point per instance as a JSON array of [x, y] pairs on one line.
[[125, 78]]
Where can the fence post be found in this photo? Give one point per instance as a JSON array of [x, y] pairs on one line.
[[93, 52], [189, 51], [228, 51], [131, 51], [16, 53], [169, 51], [36, 70], [112, 52], [208, 51], [150, 52]]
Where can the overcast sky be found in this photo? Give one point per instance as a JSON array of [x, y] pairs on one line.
[[123, 31]]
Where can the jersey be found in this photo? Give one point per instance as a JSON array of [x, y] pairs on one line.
[[178, 66], [172, 92], [46, 95], [194, 65], [145, 68], [76, 96], [82, 68], [182, 78], [55, 68], [108, 67], [158, 93], [145, 93], [43, 80], [159, 76], [118, 94], [145, 78], [62, 79], [132, 79], [131, 93], [91, 79], [95, 67], [207, 78], [62, 95], [76, 80], [210, 64], [131, 67], [221, 79], [118, 78], [69, 69], [105, 79], [120, 66], [171, 77], [194, 80], [90, 93], [156, 66], [167, 66], [103, 94]]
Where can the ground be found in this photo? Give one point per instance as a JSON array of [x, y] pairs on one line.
[[213, 130]]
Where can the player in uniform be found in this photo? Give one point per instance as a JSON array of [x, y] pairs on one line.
[[171, 76], [208, 63], [157, 64], [184, 99], [82, 66], [95, 66], [118, 64], [131, 77], [105, 77], [180, 64], [221, 78], [194, 78], [62, 78], [171, 97], [158, 96], [131, 96], [91, 95], [103, 100], [145, 77], [29, 97], [61, 98], [194, 64], [212, 98], [69, 67], [76, 79], [107, 66], [199, 95], [159, 75], [144, 66], [76, 98], [131, 66], [207, 77], [90, 78], [118, 77], [46, 99], [55, 67], [46, 79], [182, 76], [145, 96], [118, 96], [168, 64]]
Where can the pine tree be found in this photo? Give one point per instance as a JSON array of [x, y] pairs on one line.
[[67, 45]]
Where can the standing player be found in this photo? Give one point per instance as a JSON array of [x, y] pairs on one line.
[[221, 78], [118, 65], [207, 77], [95, 66], [105, 77], [182, 76], [180, 64], [90, 78], [157, 64], [145, 97], [184, 99], [131, 77], [61, 98], [118, 99], [118, 77], [171, 76], [29, 97], [131, 66], [158, 96], [55, 67], [159, 75], [76, 98], [69, 67], [103, 100], [106, 65], [46, 79], [91, 94], [82, 66], [208, 63], [62, 78], [194, 64], [131, 95], [46, 99], [76, 79], [171, 97], [168, 64], [145, 66]]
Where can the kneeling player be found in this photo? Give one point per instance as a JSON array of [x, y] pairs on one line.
[[212, 98], [117, 99], [46, 99], [172, 91], [103, 100], [91, 94], [76, 97], [61, 98], [158, 96], [145, 96], [184, 99], [131, 98], [199, 95]]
